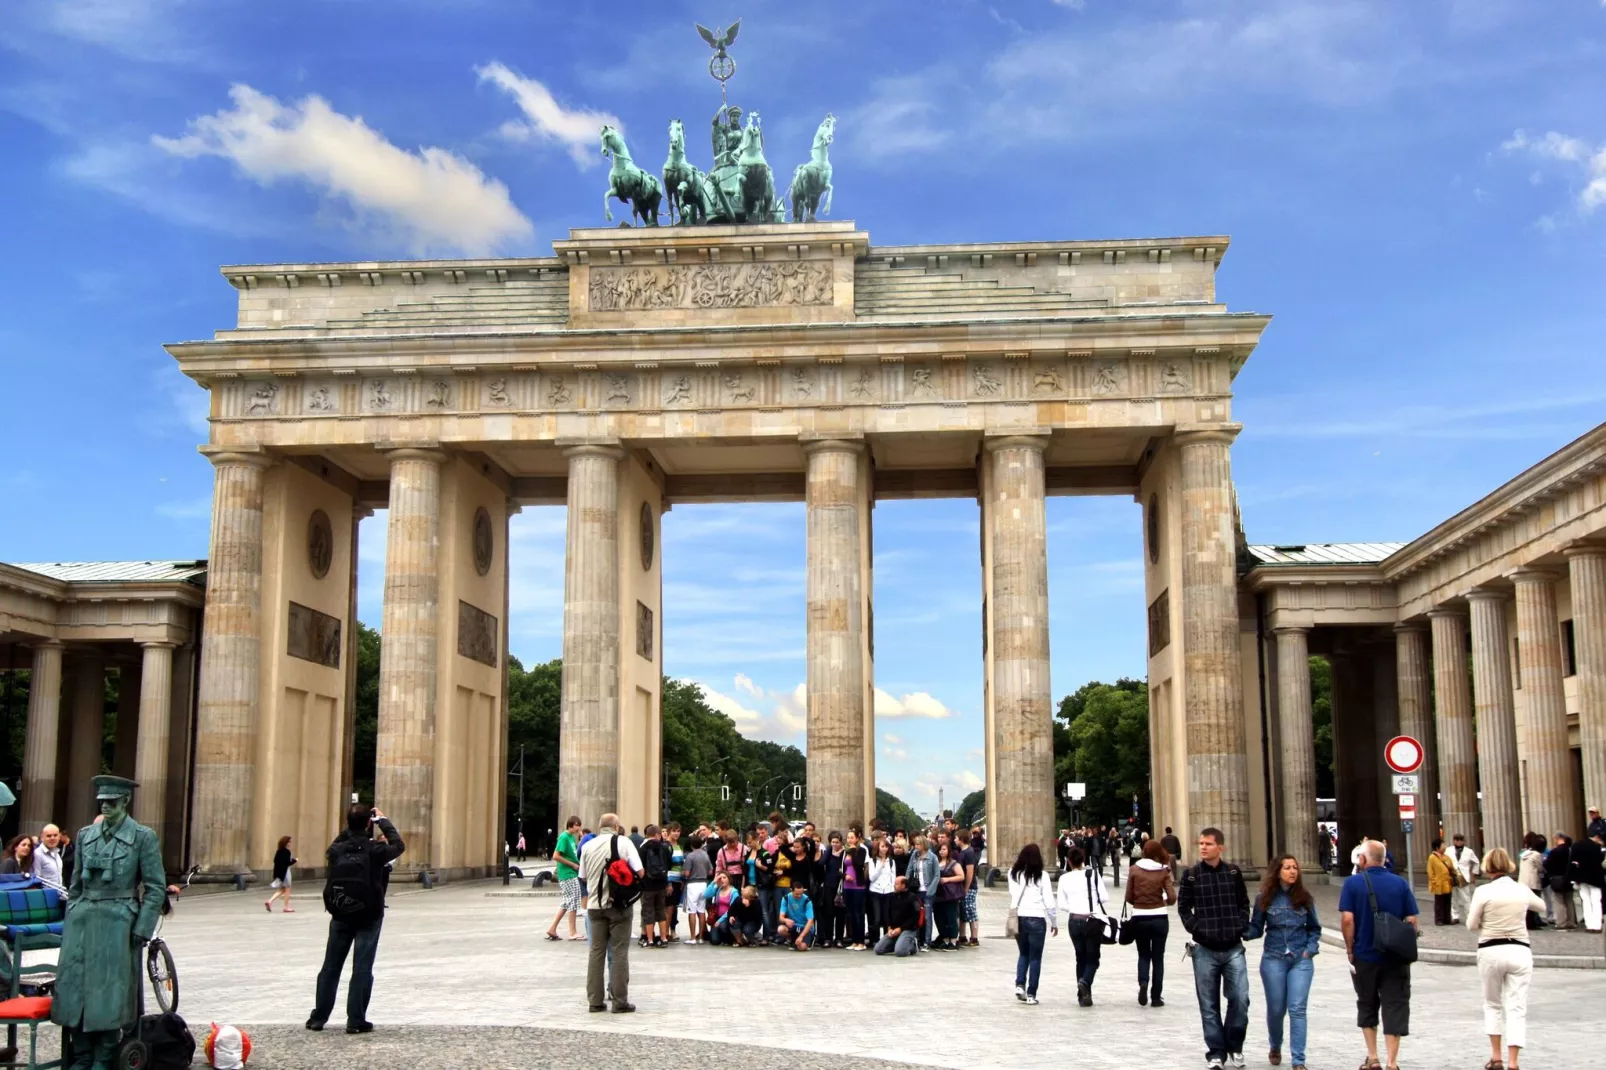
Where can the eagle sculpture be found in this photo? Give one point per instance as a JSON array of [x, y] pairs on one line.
[[721, 39]]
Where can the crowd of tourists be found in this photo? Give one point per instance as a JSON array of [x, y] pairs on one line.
[[890, 891]]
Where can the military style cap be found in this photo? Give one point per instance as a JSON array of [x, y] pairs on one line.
[[113, 787]]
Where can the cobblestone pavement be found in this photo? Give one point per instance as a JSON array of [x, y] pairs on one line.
[[457, 956]]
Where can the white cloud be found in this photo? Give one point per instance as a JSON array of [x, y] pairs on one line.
[[901, 117], [969, 781], [786, 720], [431, 199], [745, 684], [914, 704], [1569, 150], [548, 120], [888, 737], [895, 753]]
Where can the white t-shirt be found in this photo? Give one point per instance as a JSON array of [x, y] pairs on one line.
[[594, 859]]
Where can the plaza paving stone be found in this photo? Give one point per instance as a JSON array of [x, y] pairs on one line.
[[462, 969]]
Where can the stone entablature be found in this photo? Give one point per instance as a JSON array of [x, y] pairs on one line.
[[46, 608]]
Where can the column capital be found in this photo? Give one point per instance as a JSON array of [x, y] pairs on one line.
[[1532, 574], [1291, 629], [1199, 434], [607, 448], [158, 644], [1585, 549], [420, 452], [1038, 443], [49, 644], [235, 456], [816, 442], [1409, 627], [361, 512], [1487, 594], [1447, 612]]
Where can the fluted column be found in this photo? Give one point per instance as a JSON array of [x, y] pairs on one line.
[[1452, 720], [1298, 732], [1496, 718], [1586, 567], [1023, 704], [231, 656], [1415, 689], [835, 634], [1546, 756], [44, 733], [404, 773], [155, 712], [588, 735], [1218, 768], [88, 737]]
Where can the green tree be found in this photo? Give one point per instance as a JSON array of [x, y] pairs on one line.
[[1101, 739], [366, 731], [534, 701], [1321, 708], [896, 814], [972, 808]]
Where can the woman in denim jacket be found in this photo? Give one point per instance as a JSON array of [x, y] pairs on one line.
[[1286, 916]]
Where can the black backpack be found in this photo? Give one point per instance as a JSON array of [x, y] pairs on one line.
[[351, 893], [168, 1042], [654, 861]]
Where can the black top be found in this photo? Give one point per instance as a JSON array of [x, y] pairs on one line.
[[660, 851], [743, 912], [10, 865], [382, 854], [282, 861], [1585, 861], [1213, 905], [1558, 863], [905, 913]]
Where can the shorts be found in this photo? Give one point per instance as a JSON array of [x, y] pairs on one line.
[[967, 911], [695, 903], [571, 893], [1385, 985], [281, 882], [652, 906]]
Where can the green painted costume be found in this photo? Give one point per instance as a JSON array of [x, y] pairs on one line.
[[113, 901]]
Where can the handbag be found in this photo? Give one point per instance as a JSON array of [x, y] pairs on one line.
[[1012, 919], [1109, 928], [1128, 934], [1391, 936], [1560, 885]]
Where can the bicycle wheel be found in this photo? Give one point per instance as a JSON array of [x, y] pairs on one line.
[[163, 974]]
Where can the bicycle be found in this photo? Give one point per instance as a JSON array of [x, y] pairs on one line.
[[159, 967]]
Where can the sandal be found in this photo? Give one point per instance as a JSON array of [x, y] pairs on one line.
[[554, 936], [1494, 1064], [288, 910]]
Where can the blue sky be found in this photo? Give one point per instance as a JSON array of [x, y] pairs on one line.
[[1416, 191]]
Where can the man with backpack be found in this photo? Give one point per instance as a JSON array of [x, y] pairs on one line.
[[655, 856], [354, 896], [612, 870]]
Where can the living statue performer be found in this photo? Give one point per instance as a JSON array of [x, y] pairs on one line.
[[679, 173], [628, 182], [810, 192], [758, 183], [113, 901]]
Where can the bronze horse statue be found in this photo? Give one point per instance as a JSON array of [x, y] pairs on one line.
[[628, 182]]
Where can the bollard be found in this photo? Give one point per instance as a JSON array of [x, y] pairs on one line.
[[427, 879], [239, 882]]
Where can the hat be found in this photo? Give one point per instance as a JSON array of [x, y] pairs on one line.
[[113, 787], [1594, 809]]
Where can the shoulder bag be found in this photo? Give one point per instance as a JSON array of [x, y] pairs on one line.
[[1109, 929], [1128, 934], [1012, 921], [1391, 936]]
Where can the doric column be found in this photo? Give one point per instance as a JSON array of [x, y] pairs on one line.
[[1218, 768], [1298, 732], [155, 711], [88, 736], [1415, 688], [44, 731], [1452, 720], [1495, 715], [588, 734], [1546, 757], [1023, 705], [231, 656], [1587, 572], [404, 773], [835, 634]]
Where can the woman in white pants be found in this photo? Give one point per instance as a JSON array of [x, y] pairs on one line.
[[1499, 915]]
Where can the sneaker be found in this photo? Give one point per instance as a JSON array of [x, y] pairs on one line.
[[598, 1008], [1020, 993], [1214, 1063], [315, 1025], [1143, 996], [644, 942], [1157, 1002], [359, 1027], [660, 944], [1031, 1001], [1235, 1058], [620, 1007], [1084, 995]]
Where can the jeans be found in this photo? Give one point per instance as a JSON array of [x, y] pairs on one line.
[[947, 919], [610, 947], [720, 932], [769, 900], [825, 916], [931, 917], [1087, 938], [1213, 973], [1029, 944], [1148, 934], [1287, 981], [853, 905], [901, 946], [880, 904], [342, 935]]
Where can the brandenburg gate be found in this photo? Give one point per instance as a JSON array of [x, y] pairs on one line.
[[643, 367]]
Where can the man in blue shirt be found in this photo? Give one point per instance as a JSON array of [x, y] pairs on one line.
[[1381, 981], [797, 920]]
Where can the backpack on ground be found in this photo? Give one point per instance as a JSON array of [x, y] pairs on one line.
[[169, 1044], [623, 888], [351, 893]]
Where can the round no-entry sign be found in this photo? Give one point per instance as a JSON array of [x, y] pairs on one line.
[[1403, 754]]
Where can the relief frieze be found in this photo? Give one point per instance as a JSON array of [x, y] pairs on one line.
[[758, 285]]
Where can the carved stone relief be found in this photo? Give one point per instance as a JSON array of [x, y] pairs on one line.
[[1107, 378], [379, 396], [618, 388], [484, 541], [985, 380], [314, 636], [438, 395], [1173, 379], [1160, 623], [802, 383], [559, 392], [649, 537], [476, 634], [262, 400], [320, 543], [736, 388], [679, 392], [496, 392], [863, 386], [709, 286], [1046, 380], [1151, 528], [320, 399], [921, 384], [644, 631]]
